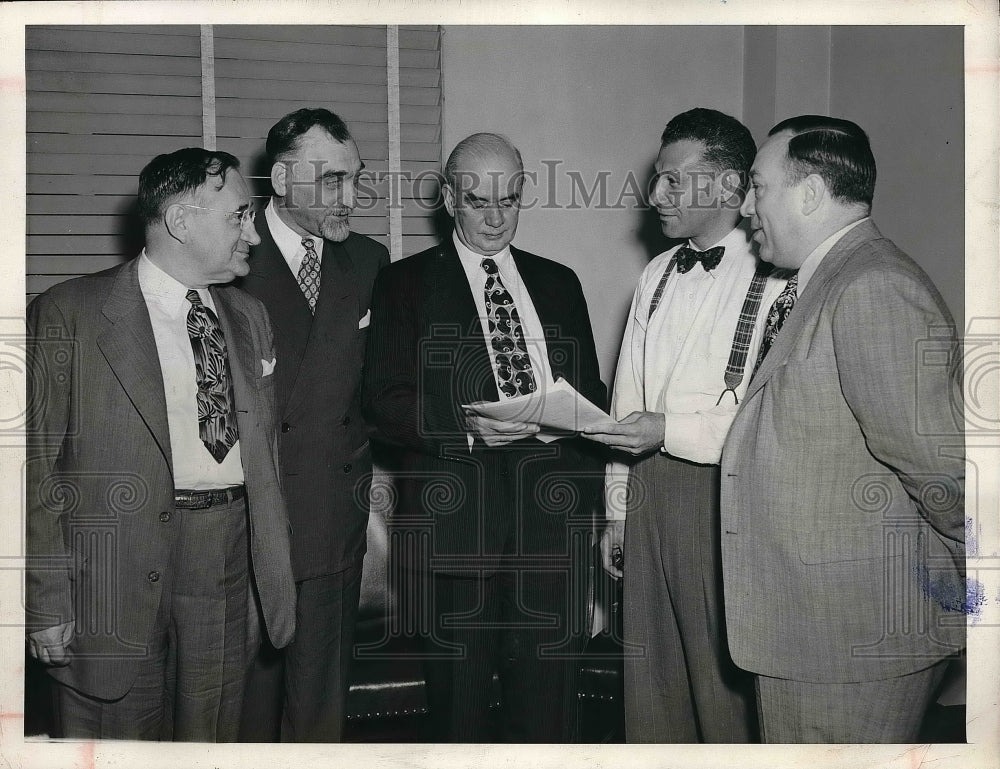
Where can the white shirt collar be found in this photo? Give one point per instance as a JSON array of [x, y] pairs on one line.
[[811, 264], [502, 258], [288, 241], [158, 286]]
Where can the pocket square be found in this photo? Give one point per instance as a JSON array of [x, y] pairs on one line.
[[267, 366], [363, 323]]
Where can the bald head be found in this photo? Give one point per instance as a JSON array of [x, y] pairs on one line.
[[482, 191], [482, 150]]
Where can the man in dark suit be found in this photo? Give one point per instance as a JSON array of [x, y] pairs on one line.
[[151, 435], [843, 475], [315, 277], [492, 523]]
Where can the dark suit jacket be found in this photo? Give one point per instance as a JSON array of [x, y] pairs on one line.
[[843, 516], [325, 455], [100, 477], [427, 357]]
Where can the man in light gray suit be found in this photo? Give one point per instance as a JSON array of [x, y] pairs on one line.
[[843, 472], [153, 505]]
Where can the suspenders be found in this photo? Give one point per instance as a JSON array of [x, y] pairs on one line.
[[744, 326]]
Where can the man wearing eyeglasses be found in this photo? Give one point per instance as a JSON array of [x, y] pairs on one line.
[[153, 506], [315, 277], [493, 524]]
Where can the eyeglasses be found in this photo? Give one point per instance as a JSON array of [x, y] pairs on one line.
[[245, 216]]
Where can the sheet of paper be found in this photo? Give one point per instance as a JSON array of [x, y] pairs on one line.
[[559, 408]]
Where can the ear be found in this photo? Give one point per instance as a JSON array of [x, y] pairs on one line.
[[176, 222], [813, 193], [729, 189], [449, 199], [278, 179]]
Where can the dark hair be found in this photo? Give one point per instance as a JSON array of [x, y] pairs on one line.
[[835, 149], [728, 143], [167, 176], [284, 135]]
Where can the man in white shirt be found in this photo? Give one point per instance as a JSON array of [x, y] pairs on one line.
[[492, 524], [690, 345], [843, 516], [152, 477]]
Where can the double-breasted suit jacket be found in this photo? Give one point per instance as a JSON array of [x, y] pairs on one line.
[[100, 489], [843, 479], [325, 452]]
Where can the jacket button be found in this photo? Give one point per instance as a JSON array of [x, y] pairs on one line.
[[285, 427], [346, 421], [164, 517], [153, 576], [347, 467]]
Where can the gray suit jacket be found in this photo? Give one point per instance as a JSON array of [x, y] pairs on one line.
[[843, 479], [99, 471]]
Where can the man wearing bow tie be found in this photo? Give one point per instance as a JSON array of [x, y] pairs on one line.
[[315, 277], [493, 522], [153, 505], [690, 345]]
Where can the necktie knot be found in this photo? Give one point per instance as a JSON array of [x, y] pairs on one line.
[[490, 266], [194, 297], [687, 257], [308, 244]]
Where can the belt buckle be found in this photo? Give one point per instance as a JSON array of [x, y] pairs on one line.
[[198, 500]]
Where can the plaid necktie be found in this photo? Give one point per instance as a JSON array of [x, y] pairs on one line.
[[308, 276], [780, 310], [514, 373], [216, 414]]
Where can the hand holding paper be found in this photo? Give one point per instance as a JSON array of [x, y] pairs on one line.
[[558, 408]]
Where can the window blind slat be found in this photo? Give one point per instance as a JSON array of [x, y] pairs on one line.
[[112, 104], [183, 41], [116, 63], [73, 82]]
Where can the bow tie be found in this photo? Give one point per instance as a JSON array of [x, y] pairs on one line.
[[687, 257]]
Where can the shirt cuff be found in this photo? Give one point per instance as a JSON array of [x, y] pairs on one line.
[[685, 436]]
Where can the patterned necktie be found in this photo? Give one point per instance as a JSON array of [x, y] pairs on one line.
[[687, 257], [514, 373], [780, 310], [216, 414], [308, 276]]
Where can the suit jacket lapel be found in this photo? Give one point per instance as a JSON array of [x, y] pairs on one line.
[[243, 362], [547, 298], [129, 347], [272, 281], [811, 300], [453, 306]]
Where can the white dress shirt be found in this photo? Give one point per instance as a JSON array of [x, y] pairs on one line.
[[166, 300], [675, 362], [288, 241], [531, 326]]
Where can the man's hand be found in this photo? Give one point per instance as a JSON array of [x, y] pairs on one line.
[[612, 545], [495, 432], [639, 433], [50, 645]]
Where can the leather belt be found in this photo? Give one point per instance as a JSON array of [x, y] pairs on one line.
[[198, 499]]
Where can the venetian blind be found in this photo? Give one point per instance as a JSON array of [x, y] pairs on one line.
[[103, 100]]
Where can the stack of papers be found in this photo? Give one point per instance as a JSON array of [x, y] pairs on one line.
[[560, 408]]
